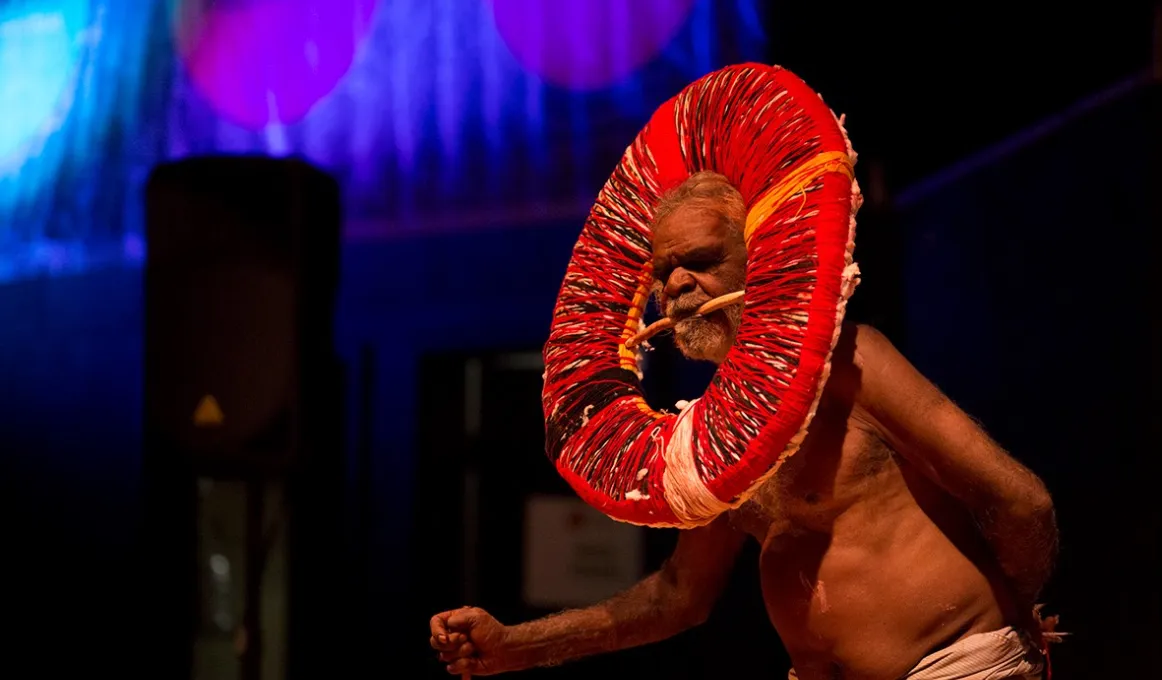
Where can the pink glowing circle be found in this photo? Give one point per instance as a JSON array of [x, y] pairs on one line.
[[587, 44], [268, 61]]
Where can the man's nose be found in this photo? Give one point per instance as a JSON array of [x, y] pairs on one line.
[[679, 283]]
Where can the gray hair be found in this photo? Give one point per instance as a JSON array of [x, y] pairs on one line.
[[711, 190]]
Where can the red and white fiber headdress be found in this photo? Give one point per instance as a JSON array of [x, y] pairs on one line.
[[777, 142]]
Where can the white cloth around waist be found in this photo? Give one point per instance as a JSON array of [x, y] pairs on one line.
[[1002, 654]]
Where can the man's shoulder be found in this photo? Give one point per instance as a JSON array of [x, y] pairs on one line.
[[864, 335], [860, 351], [858, 344]]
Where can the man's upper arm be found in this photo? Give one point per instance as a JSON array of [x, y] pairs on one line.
[[703, 561], [928, 429], [905, 407]]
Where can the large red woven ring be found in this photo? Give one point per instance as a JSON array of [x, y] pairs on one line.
[[788, 155]]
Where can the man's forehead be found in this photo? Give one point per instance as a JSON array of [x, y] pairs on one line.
[[689, 226]]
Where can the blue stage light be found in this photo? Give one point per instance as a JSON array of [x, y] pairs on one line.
[[40, 48]]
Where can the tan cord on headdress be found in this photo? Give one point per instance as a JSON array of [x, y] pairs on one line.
[[660, 325]]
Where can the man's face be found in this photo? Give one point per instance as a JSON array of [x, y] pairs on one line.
[[698, 256]]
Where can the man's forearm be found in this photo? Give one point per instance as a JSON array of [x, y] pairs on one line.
[[1010, 504], [647, 612], [1024, 542]]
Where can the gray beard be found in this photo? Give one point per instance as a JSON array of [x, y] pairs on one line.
[[703, 340]]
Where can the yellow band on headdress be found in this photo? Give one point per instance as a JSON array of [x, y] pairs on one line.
[[794, 183]]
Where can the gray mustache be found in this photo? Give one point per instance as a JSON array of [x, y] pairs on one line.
[[684, 307]]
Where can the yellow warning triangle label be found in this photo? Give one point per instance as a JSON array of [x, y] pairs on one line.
[[208, 413]]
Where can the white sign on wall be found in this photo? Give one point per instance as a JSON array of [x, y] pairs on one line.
[[576, 556]]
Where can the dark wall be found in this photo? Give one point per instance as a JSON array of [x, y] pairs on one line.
[[70, 369]]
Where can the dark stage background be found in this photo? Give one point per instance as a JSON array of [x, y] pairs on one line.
[[1008, 153]]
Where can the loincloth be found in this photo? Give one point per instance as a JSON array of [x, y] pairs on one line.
[[1003, 653]]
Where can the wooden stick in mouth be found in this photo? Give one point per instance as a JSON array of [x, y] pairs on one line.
[[667, 323]]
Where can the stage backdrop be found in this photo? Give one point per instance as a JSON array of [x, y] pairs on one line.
[[433, 114]]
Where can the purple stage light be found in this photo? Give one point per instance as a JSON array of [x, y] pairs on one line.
[[587, 44], [262, 62]]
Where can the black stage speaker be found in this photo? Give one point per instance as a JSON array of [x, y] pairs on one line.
[[242, 417]]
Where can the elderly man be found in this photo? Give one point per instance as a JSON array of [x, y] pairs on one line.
[[899, 542]]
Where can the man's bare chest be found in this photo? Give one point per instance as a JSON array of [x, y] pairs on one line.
[[838, 466]]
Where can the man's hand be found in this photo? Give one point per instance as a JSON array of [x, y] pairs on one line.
[[470, 640]]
